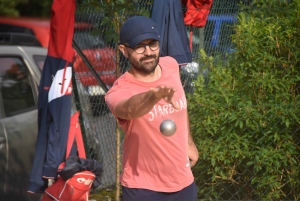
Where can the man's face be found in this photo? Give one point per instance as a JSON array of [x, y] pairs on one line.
[[144, 62]]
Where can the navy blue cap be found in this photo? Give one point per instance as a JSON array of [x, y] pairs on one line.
[[136, 29]]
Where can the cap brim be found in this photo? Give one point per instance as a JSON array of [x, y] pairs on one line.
[[135, 41]]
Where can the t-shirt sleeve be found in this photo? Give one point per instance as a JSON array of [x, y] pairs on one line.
[[171, 64], [115, 95]]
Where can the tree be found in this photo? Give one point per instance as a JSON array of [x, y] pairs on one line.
[[35, 8], [8, 7]]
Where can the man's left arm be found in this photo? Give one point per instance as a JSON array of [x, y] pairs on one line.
[[192, 149]]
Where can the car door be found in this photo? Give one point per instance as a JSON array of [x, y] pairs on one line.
[[18, 127], [3, 146]]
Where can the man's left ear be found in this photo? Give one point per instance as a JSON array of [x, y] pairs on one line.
[[123, 49]]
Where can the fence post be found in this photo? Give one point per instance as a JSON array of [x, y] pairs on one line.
[[118, 165], [118, 135]]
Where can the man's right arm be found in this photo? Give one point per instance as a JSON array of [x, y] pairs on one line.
[[140, 104]]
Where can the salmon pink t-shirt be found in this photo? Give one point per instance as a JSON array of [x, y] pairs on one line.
[[151, 160]]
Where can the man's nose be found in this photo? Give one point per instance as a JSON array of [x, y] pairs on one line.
[[148, 51]]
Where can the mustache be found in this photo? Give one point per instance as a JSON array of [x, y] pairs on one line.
[[148, 57]]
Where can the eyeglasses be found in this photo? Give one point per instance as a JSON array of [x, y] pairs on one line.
[[140, 49]]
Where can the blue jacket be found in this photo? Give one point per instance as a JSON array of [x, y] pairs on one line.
[[168, 17], [55, 95]]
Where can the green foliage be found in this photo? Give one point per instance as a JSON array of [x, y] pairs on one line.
[[32, 8], [114, 13], [103, 194], [35, 8], [8, 7], [246, 120]]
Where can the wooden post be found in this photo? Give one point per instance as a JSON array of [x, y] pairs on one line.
[[118, 134], [118, 165]]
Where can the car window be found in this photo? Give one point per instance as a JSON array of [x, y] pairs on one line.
[[15, 29], [15, 87], [39, 60]]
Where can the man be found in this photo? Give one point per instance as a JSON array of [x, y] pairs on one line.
[[155, 167]]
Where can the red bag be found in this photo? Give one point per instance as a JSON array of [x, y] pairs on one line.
[[76, 188]]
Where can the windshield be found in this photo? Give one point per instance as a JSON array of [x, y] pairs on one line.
[[39, 60]]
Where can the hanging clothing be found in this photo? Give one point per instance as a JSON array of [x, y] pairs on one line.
[[168, 17], [55, 95], [196, 14]]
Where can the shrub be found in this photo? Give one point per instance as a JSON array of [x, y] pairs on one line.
[[245, 121]]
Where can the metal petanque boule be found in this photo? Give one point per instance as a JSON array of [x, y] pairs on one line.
[[168, 127]]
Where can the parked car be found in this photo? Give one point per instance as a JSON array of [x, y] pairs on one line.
[[40, 28], [20, 71], [100, 56], [102, 60]]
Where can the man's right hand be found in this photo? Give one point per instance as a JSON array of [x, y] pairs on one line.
[[140, 104], [166, 93]]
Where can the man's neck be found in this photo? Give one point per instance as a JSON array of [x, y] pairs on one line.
[[147, 77]]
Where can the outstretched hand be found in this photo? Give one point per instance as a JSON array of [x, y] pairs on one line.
[[166, 93]]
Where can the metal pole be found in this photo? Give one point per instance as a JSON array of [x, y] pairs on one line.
[[89, 65], [79, 108]]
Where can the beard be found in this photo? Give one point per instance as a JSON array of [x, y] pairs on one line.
[[146, 67]]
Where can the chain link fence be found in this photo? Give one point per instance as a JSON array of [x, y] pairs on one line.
[[97, 65]]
